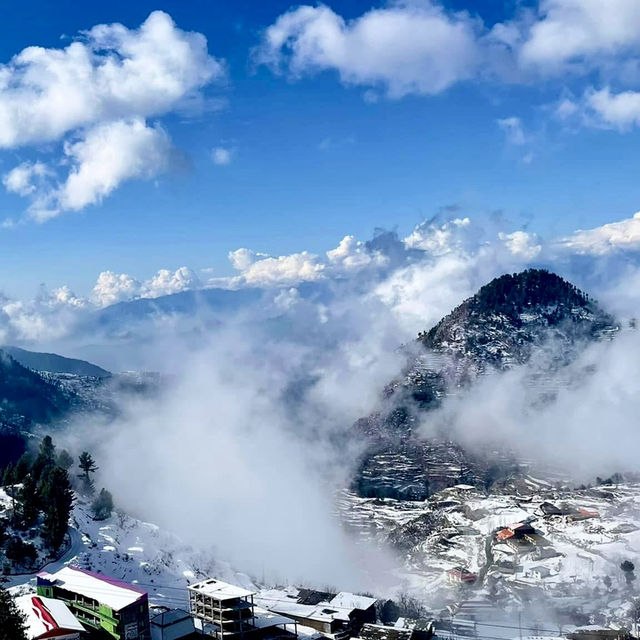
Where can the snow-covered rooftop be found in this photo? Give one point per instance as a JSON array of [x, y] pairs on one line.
[[348, 600], [220, 590], [44, 615], [265, 618], [106, 590]]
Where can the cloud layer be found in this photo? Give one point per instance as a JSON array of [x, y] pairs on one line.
[[95, 97], [417, 278]]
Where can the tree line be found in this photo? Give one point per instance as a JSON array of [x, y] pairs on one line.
[[42, 486]]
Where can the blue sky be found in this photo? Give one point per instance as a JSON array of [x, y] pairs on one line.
[[312, 156]]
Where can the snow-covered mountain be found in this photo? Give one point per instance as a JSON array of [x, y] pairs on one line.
[[533, 318]]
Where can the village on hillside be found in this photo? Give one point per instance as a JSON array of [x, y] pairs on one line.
[[484, 555]]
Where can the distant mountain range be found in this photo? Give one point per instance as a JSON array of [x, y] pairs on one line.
[[25, 396], [506, 323], [54, 363]]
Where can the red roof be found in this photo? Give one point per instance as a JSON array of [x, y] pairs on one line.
[[505, 534]]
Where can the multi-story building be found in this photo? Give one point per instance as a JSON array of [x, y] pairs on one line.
[[228, 609], [99, 602]]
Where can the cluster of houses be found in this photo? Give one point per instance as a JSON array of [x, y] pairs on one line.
[[74, 604], [521, 539]]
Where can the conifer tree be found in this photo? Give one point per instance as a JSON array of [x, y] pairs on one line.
[[87, 464], [12, 621], [30, 502], [65, 460], [46, 458], [58, 501], [103, 505]]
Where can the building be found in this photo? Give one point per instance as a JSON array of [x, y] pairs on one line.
[[549, 509], [539, 572], [381, 632], [175, 624], [595, 632], [520, 530], [228, 609], [48, 618], [582, 514], [99, 602], [460, 575], [336, 616]]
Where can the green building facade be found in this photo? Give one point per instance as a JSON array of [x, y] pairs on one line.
[[113, 609]]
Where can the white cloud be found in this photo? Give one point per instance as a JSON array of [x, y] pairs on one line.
[[616, 110], [439, 239], [242, 259], [112, 73], [221, 156], [166, 282], [351, 254], [589, 31], [96, 96], [522, 244], [411, 48], [261, 270], [23, 178], [106, 156], [113, 287], [606, 239]]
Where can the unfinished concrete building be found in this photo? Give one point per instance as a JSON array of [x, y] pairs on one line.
[[227, 610]]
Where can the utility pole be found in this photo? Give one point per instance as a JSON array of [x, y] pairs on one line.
[[520, 623]]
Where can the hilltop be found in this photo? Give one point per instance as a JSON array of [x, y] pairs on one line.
[[505, 324], [508, 316]]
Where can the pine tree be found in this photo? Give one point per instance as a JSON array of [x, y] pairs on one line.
[[65, 460], [47, 448], [103, 505], [23, 467], [30, 502], [58, 500], [12, 621], [87, 464], [46, 458]]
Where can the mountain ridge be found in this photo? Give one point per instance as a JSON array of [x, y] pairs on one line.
[[54, 363], [507, 321]]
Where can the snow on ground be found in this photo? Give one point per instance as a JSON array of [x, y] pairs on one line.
[[139, 553], [570, 558]]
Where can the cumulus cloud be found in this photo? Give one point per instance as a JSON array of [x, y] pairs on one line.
[[26, 178], [616, 110], [113, 287], [263, 270], [416, 280], [586, 31], [111, 73], [522, 244], [353, 254], [423, 48], [100, 161], [95, 96], [166, 282], [606, 239], [439, 238], [412, 48]]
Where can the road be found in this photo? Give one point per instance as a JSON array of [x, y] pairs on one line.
[[75, 548]]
